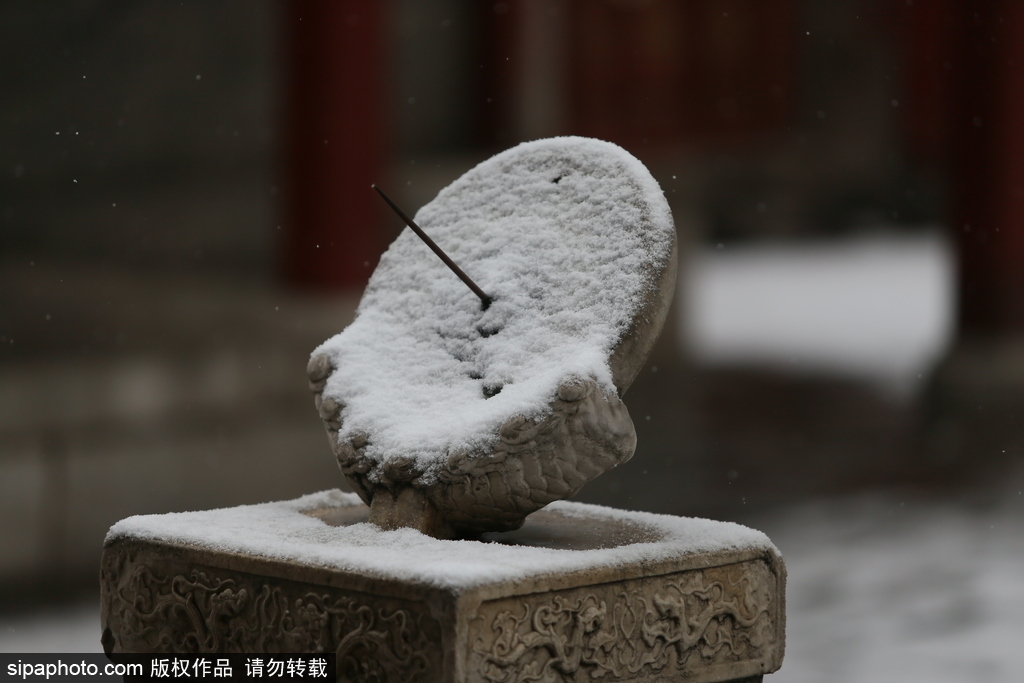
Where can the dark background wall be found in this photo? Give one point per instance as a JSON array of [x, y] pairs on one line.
[[185, 214]]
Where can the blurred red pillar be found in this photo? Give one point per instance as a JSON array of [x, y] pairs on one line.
[[989, 168], [965, 73], [334, 142]]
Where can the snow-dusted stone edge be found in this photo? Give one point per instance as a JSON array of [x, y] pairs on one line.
[[288, 532]]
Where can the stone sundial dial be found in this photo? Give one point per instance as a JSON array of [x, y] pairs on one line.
[[458, 417], [458, 412]]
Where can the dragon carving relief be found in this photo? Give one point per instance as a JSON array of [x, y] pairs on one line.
[[532, 462], [627, 630], [204, 610]]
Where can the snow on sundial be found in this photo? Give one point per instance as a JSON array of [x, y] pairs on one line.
[[573, 241]]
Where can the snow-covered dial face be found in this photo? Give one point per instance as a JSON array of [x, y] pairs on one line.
[[573, 240]]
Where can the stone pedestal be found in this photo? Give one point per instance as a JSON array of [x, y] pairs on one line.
[[598, 595]]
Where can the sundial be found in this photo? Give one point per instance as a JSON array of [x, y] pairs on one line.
[[459, 403], [460, 409]]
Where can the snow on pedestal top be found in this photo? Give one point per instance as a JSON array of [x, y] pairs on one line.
[[564, 234], [283, 531]]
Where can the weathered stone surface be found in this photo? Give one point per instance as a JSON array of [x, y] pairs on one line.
[[534, 463], [693, 625], [162, 599], [691, 617]]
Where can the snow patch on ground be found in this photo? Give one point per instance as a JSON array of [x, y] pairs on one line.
[[882, 590]]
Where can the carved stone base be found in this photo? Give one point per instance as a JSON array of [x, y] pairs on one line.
[[655, 611]]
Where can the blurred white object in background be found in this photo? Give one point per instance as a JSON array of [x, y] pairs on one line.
[[879, 307]]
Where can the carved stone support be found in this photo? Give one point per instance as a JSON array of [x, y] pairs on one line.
[[691, 616]]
